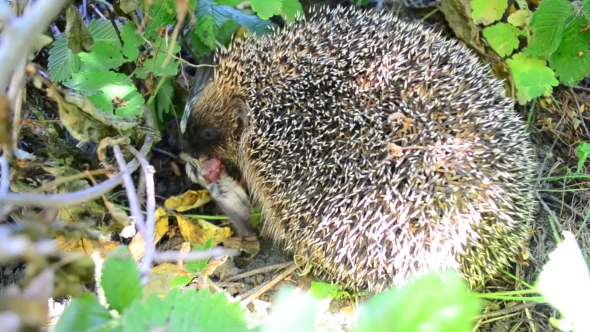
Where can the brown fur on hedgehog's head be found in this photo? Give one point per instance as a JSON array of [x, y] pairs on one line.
[[215, 125]]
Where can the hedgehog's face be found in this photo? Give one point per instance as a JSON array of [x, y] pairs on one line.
[[214, 125]]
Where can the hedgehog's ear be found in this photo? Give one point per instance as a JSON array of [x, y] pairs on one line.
[[203, 77]]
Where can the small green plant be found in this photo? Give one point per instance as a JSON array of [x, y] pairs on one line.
[[583, 151], [106, 63], [557, 36], [130, 310], [193, 267]]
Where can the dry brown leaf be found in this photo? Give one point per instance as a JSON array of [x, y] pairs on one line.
[[107, 247], [198, 231], [74, 245], [189, 200], [184, 249], [137, 247]]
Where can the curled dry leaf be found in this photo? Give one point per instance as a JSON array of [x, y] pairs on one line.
[[87, 123], [187, 201]]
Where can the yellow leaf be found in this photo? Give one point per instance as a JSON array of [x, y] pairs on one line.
[[161, 222], [198, 231], [189, 200], [160, 278]]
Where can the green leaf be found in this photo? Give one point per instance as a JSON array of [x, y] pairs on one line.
[[102, 29], [226, 32], [532, 77], [84, 313], [104, 56], [547, 27], [180, 280], [154, 64], [267, 8], [131, 41], [162, 13], [62, 62], [102, 87], [322, 290], [222, 14], [120, 279], [586, 9], [199, 265], [564, 281], [93, 81], [571, 60], [290, 10], [164, 99], [102, 101], [285, 319], [206, 30], [520, 18], [442, 304], [188, 311], [583, 151], [131, 105], [487, 12], [502, 37]]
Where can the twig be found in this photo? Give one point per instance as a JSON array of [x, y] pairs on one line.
[[226, 284], [582, 121], [151, 213], [164, 152], [559, 202], [21, 33], [258, 271], [133, 203], [5, 13], [61, 200], [173, 256], [4, 176], [4, 185], [505, 311], [15, 98], [550, 212], [256, 292]]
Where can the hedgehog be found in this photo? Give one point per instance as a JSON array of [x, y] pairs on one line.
[[376, 149]]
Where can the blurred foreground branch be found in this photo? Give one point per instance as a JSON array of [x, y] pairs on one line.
[[19, 34]]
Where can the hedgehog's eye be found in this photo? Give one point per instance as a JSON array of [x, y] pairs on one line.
[[210, 134]]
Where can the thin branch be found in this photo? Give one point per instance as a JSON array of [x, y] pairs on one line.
[[21, 33], [5, 13], [132, 195], [579, 110], [4, 176], [15, 98], [150, 221], [61, 200]]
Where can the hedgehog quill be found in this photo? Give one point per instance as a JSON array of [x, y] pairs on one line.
[[375, 147]]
